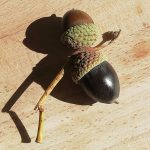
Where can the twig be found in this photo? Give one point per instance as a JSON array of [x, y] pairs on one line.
[[40, 104], [39, 138]]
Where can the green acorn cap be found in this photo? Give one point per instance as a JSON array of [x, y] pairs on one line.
[[85, 35], [79, 30], [82, 61]]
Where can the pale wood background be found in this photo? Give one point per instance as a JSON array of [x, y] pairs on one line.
[[71, 123]]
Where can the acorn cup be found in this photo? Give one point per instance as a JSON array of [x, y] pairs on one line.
[[88, 67], [95, 75], [79, 30]]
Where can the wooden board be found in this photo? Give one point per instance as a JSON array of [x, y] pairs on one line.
[[30, 56]]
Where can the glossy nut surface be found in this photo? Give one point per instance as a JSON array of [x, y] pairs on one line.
[[75, 17], [101, 83]]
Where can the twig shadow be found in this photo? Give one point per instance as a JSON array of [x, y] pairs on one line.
[[25, 138]]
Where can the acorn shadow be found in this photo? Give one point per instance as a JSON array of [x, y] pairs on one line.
[[43, 36]]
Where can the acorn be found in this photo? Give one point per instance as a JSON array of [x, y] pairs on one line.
[[88, 66], [95, 75], [79, 30]]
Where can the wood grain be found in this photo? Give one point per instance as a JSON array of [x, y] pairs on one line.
[[31, 55]]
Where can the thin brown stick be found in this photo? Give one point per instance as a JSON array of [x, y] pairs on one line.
[[40, 104]]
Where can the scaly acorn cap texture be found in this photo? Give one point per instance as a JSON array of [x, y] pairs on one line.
[[82, 61], [79, 30], [85, 35]]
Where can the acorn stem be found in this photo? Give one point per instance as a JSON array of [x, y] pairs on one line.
[[40, 104]]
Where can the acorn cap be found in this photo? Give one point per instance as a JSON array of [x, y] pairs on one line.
[[82, 61], [79, 36], [79, 30]]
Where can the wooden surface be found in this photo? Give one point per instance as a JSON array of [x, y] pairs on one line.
[[30, 56]]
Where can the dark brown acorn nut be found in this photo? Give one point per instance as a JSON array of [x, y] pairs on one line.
[[75, 17], [95, 75], [79, 30]]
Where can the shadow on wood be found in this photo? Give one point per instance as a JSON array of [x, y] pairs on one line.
[[21, 128], [25, 138], [43, 36]]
